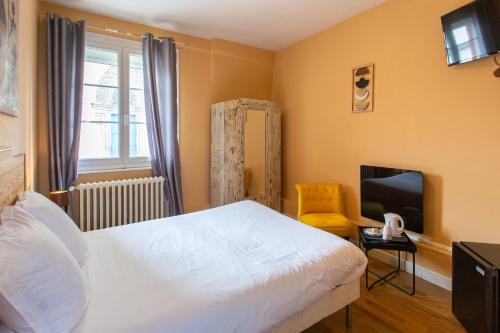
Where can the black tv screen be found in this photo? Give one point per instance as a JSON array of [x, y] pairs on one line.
[[469, 32], [493, 9], [387, 190]]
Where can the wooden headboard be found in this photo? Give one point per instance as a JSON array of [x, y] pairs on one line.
[[11, 179]]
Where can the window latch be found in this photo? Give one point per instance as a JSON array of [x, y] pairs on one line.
[[125, 120]]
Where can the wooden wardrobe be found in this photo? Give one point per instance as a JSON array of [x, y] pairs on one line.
[[245, 158]]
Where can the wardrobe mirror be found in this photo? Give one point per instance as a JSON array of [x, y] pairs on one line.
[[255, 154]]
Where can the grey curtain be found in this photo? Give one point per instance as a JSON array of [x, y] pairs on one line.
[[65, 60], [160, 91]]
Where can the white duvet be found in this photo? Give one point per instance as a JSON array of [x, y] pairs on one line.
[[237, 268]]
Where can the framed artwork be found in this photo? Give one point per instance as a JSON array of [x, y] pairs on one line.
[[9, 102], [362, 88]]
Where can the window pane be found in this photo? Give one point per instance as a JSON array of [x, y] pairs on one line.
[[100, 133], [136, 74], [99, 140], [137, 117], [100, 103], [139, 140], [101, 67]]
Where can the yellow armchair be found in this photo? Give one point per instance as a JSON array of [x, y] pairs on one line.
[[321, 206]]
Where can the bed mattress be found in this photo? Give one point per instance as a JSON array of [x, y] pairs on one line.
[[237, 268]]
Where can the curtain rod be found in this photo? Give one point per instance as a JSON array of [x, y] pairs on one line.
[[130, 34]]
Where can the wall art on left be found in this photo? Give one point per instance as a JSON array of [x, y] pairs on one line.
[[9, 102], [363, 88]]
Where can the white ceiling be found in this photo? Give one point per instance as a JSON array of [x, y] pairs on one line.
[[268, 24]]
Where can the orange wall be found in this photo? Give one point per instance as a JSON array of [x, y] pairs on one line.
[[443, 121], [19, 131], [210, 71]]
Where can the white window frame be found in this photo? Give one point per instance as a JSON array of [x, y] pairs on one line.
[[124, 48]]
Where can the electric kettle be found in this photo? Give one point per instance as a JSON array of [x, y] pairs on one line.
[[395, 222]]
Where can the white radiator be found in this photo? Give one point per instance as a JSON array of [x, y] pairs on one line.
[[107, 204]]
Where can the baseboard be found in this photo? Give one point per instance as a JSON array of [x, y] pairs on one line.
[[407, 265]]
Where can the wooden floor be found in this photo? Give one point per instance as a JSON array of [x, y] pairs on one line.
[[386, 309]]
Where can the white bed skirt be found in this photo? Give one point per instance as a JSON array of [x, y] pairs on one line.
[[329, 304]]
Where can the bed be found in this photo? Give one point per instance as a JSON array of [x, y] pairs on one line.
[[237, 268]]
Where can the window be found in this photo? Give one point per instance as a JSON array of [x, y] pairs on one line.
[[113, 132]]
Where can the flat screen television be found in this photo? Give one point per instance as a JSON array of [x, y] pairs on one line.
[[387, 190], [472, 31], [493, 9]]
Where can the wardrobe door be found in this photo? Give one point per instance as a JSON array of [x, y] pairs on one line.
[[273, 158], [234, 158], [216, 156]]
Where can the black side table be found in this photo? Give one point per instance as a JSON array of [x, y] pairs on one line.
[[403, 243]]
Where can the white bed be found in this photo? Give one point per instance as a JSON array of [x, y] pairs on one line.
[[237, 268]]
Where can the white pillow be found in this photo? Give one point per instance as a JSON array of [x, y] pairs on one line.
[[42, 288], [58, 222]]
